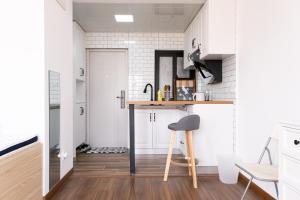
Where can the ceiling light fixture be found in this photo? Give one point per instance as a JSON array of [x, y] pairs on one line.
[[124, 18]]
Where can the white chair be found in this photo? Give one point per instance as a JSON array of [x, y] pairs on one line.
[[262, 172]]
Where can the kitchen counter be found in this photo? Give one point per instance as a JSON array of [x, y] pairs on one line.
[[153, 105], [173, 103]]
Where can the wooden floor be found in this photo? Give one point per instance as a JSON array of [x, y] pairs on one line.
[[103, 165], [106, 177]]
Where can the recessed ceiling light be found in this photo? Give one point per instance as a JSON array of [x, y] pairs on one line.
[[124, 18]]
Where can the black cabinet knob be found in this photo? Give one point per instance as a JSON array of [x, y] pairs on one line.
[[296, 142]]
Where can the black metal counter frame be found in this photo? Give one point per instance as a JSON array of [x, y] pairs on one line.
[[131, 136]]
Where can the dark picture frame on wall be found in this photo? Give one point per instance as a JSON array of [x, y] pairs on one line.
[[177, 56]]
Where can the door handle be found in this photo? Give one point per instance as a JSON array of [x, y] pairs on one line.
[[154, 117], [122, 99], [150, 117]]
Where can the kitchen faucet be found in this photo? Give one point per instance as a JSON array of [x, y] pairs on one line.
[[145, 90]]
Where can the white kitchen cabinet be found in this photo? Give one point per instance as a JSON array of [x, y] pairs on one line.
[[213, 31], [215, 134], [79, 53], [192, 38], [214, 137], [289, 162], [204, 32], [80, 124], [187, 47], [79, 66], [151, 129], [289, 193], [218, 22], [143, 128], [161, 133], [196, 33]]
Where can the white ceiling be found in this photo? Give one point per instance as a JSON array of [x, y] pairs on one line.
[[99, 17]]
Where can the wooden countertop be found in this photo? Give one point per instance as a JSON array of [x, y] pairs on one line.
[[176, 102]]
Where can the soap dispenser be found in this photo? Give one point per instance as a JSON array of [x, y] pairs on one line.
[[159, 95]]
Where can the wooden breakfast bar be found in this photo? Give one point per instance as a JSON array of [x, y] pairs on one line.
[[135, 104]]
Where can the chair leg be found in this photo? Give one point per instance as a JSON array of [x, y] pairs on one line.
[[188, 154], [191, 150], [247, 188], [172, 140], [276, 188]]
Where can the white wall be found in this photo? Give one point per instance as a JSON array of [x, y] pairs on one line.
[[58, 57], [22, 87], [141, 49], [268, 68], [46, 38]]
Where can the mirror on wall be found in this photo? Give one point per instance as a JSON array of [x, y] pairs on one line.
[[54, 127]]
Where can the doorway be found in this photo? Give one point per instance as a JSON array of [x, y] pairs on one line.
[[107, 94]]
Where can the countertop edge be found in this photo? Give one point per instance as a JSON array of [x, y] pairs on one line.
[[177, 102]]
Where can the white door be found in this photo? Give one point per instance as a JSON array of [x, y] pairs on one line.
[[143, 128], [108, 76]]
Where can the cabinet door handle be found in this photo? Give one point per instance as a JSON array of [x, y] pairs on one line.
[[296, 142], [81, 110], [154, 116], [81, 72], [150, 117], [194, 43]]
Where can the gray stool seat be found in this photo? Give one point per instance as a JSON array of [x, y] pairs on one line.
[[188, 123]]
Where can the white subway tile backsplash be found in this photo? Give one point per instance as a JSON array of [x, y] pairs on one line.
[[141, 47], [226, 89]]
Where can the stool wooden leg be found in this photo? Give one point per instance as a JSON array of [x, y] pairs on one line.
[[190, 142], [188, 155], [172, 140]]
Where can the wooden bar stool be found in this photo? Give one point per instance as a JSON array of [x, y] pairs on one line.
[[187, 124]]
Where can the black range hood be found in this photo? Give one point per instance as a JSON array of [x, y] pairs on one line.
[[210, 70]]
